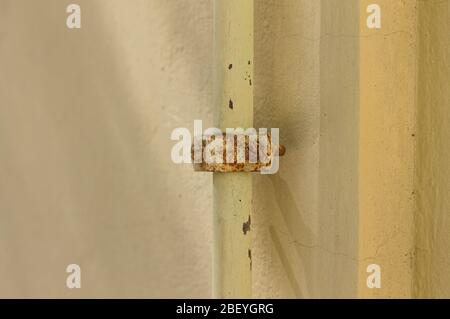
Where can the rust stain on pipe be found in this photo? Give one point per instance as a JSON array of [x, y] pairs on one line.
[[246, 226]]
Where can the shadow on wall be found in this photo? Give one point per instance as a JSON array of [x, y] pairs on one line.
[[287, 97], [306, 216], [80, 124]]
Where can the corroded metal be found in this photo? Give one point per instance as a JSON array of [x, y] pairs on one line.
[[237, 163]]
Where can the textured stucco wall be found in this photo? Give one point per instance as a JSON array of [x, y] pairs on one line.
[[386, 147], [86, 117], [432, 275], [287, 96], [337, 246], [85, 169]]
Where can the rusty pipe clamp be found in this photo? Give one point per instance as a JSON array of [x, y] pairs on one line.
[[235, 153]]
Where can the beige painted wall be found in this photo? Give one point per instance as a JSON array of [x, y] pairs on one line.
[[85, 170], [432, 275], [386, 148], [86, 120], [337, 246], [287, 96]]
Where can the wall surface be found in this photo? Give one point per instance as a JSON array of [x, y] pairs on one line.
[[287, 96], [85, 170], [386, 148], [337, 246], [86, 117], [433, 153]]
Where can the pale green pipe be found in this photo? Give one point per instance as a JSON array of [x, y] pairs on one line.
[[233, 97]]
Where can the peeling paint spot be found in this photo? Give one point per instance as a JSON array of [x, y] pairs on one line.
[[230, 66], [250, 257], [250, 82], [246, 226], [231, 104]]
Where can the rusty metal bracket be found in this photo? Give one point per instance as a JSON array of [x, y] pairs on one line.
[[238, 163]]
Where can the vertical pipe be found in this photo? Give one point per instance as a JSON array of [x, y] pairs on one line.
[[233, 98]]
